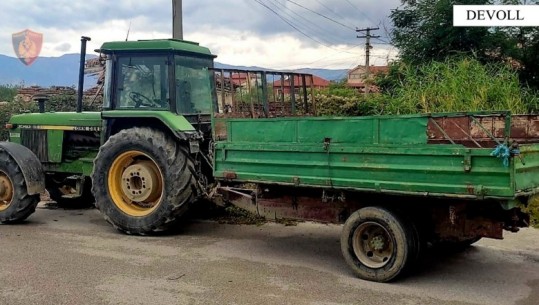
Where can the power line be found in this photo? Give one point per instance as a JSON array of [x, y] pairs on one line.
[[361, 12], [294, 27], [330, 9], [382, 40], [333, 20], [327, 56], [285, 9], [324, 16]]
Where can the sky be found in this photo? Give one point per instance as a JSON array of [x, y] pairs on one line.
[[277, 34]]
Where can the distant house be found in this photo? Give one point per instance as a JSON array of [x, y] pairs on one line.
[[245, 80], [314, 82], [357, 77], [234, 85]]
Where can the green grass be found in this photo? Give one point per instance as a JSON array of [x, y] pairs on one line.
[[533, 209], [456, 85]]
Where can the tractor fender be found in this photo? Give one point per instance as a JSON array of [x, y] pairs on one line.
[[30, 166]]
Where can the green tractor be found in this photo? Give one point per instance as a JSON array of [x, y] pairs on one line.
[[173, 129], [140, 151]]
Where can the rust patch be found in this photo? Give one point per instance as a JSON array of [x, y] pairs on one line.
[[470, 189], [221, 132], [476, 128], [524, 129], [484, 227], [300, 208], [230, 175]]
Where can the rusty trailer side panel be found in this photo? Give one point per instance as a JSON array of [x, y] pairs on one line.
[[397, 155], [483, 130]]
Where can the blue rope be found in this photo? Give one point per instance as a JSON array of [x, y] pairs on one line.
[[503, 152]]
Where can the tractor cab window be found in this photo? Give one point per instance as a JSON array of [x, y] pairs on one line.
[[143, 82], [194, 91]]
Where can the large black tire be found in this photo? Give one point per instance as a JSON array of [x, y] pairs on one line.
[[378, 245], [86, 200], [15, 203], [143, 181]]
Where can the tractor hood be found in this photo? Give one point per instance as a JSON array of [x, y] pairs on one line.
[[56, 120]]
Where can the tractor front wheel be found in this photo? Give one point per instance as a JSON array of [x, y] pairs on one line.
[[143, 181], [15, 203]]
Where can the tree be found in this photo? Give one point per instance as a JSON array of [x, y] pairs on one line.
[[7, 93], [423, 31]]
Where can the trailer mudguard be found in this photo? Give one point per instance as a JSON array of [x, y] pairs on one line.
[[29, 164]]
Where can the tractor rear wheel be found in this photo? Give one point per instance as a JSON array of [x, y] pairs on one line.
[[378, 245], [143, 181], [15, 203]]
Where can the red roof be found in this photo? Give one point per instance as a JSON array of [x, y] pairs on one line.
[[317, 81]]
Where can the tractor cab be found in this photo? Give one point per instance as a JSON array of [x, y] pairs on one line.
[[149, 76]]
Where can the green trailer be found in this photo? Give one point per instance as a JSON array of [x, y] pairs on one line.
[[174, 130]]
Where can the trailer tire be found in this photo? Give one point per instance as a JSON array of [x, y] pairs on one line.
[[143, 181], [378, 245], [15, 203]]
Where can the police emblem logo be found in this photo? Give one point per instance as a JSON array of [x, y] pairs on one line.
[[27, 45]]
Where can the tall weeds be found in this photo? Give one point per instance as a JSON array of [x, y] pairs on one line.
[[457, 85]]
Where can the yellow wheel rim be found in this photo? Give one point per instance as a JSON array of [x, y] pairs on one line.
[[6, 191], [135, 183]]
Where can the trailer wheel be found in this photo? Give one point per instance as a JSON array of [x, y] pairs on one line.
[[143, 181], [15, 203], [378, 245]]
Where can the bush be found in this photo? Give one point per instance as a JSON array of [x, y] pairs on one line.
[[9, 109], [533, 209], [57, 103], [340, 89], [455, 85], [7, 93], [328, 105]]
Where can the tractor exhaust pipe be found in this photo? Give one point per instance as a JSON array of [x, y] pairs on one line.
[[83, 41]]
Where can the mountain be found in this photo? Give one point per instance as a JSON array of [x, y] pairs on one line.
[[329, 74], [64, 71], [45, 71]]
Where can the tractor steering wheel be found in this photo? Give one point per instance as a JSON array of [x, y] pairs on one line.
[[140, 100]]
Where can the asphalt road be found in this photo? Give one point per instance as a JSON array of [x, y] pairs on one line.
[[75, 257]]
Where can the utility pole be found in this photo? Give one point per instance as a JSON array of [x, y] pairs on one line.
[[177, 19], [368, 48]]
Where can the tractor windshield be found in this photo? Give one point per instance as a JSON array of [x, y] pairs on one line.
[[143, 82], [194, 91]]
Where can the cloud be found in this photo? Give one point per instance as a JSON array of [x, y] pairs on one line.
[[273, 33], [64, 47]]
